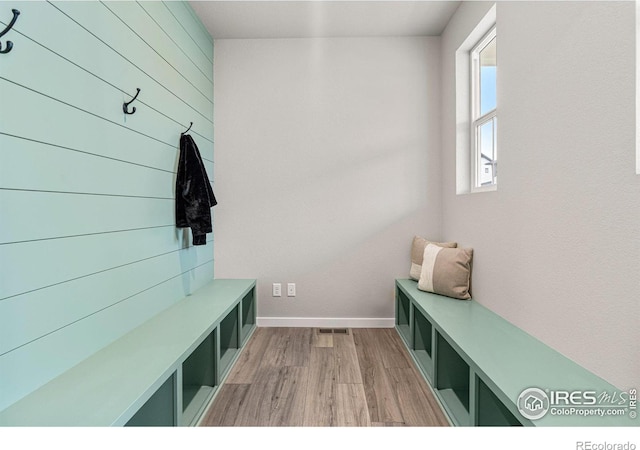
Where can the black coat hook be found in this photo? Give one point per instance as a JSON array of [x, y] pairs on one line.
[[185, 132], [16, 13], [125, 105]]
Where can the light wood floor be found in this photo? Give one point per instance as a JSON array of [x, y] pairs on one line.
[[299, 377]]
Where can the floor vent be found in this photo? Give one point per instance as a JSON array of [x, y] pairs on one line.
[[333, 330]]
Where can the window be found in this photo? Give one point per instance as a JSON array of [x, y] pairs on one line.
[[484, 120], [476, 107]]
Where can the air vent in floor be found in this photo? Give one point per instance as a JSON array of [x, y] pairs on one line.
[[333, 330]]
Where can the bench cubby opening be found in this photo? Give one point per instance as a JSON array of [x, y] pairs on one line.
[[248, 306], [160, 409], [229, 340], [452, 381], [403, 315], [422, 342], [198, 378], [490, 410]]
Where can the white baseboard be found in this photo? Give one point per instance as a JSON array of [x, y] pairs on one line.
[[325, 322]]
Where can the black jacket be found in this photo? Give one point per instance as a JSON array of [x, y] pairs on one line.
[[194, 196]]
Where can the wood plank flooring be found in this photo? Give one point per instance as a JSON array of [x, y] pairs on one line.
[[300, 377]]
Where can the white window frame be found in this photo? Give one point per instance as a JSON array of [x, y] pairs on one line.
[[638, 87], [476, 120]]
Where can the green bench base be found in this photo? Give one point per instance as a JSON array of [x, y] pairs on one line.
[[163, 373], [478, 364]]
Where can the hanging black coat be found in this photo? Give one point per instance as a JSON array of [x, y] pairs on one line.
[[194, 196]]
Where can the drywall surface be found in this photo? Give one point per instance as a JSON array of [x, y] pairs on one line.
[[557, 246], [326, 165]]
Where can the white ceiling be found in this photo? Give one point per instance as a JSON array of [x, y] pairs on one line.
[[242, 19]]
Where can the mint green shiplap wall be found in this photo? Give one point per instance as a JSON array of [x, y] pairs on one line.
[[88, 246]]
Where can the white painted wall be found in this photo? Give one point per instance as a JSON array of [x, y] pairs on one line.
[[557, 247], [326, 165]]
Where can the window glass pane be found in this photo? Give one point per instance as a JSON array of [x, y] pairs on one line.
[[487, 163], [488, 77]]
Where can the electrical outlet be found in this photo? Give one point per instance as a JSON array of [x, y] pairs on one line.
[[277, 290], [291, 290]]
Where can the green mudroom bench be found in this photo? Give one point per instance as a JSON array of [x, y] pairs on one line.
[[478, 364], [164, 372]]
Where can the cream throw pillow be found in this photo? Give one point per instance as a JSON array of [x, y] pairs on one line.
[[417, 252], [446, 271]]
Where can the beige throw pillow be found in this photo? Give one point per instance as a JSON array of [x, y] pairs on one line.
[[446, 271], [417, 251]]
